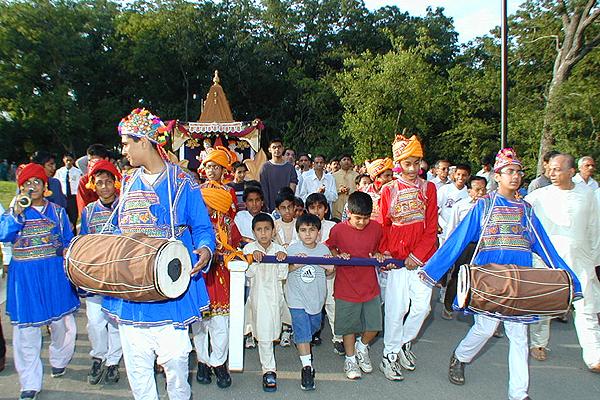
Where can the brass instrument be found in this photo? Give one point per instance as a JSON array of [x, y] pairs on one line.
[[24, 199]]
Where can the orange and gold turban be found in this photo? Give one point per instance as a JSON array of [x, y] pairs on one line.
[[217, 199], [375, 168], [222, 156], [402, 148]]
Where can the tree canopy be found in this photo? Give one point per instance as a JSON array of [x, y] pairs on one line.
[[329, 76]]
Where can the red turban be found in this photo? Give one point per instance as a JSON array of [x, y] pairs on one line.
[[105, 165], [29, 171]]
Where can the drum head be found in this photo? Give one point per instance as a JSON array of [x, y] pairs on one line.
[[464, 286], [173, 267]]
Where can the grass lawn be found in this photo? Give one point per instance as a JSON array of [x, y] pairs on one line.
[[7, 192]]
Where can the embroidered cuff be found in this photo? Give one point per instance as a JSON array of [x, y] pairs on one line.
[[426, 278], [415, 259]]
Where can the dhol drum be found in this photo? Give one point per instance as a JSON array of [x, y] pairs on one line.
[[132, 267], [514, 291]]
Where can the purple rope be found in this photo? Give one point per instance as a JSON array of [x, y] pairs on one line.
[[355, 261]]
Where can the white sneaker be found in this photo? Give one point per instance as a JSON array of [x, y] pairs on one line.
[[363, 359], [352, 370], [406, 357], [250, 343], [391, 368], [286, 339]]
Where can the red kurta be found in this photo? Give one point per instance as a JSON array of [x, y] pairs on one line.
[[409, 217]]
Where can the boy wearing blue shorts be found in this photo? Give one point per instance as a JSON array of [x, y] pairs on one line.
[[306, 290]]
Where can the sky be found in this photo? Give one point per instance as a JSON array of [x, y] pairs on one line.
[[472, 18]]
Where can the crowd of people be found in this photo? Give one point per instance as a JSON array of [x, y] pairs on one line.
[[416, 224]]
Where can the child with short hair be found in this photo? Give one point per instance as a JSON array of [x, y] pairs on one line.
[[285, 227], [266, 294], [239, 177], [362, 182], [356, 290], [298, 206], [317, 204], [103, 333], [254, 200], [285, 233], [305, 291]]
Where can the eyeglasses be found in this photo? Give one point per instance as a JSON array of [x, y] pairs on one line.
[[511, 172], [33, 182]]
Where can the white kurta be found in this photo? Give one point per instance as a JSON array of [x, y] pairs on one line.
[[266, 293], [447, 197], [571, 219]]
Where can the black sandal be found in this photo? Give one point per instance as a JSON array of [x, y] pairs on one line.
[[456, 371], [270, 382]]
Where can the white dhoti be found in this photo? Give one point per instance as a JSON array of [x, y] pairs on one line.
[[169, 346], [518, 351], [404, 289], [212, 333], [539, 333], [102, 332], [27, 346], [267, 356], [588, 333]]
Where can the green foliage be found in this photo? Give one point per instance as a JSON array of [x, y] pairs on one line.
[[329, 76], [7, 192]]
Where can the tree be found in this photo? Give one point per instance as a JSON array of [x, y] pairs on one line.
[[576, 38]]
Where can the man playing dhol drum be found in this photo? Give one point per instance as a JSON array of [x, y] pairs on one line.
[[508, 233], [160, 200]]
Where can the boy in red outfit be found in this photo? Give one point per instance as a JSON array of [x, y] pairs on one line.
[[356, 290], [408, 217]]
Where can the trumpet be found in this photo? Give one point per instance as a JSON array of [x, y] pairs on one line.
[[24, 199]]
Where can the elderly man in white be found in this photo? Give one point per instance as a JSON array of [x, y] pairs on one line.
[[569, 214], [586, 166]]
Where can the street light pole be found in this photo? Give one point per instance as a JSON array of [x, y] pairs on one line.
[[504, 78]]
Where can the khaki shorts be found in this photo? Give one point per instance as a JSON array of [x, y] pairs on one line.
[[357, 317]]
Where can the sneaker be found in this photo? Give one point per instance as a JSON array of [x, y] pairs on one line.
[[391, 368], [203, 374], [352, 370], [270, 382], [406, 357], [456, 371], [286, 338], [112, 374], [96, 371], [223, 376], [250, 343], [56, 372], [363, 359], [308, 378], [338, 348], [28, 395]]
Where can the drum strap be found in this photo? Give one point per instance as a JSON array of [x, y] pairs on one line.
[[486, 220], [126, 192]]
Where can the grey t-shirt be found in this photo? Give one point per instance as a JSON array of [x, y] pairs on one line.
[[306, 288], [273, 177]]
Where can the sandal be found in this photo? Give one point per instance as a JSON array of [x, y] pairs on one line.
[[456, 371], [270, 382], [538, 353]]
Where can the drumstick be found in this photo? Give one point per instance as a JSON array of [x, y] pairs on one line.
[[337, 261]]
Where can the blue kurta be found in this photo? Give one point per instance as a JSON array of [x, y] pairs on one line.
[[38, 289], [508, 238], [144, 208]]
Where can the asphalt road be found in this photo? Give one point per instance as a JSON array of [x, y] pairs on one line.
[[562, 376]]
